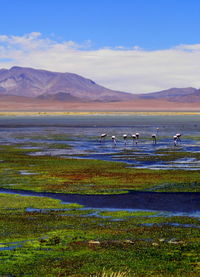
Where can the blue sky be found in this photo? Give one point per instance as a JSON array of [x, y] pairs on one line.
[[150, 24], [129, 45]]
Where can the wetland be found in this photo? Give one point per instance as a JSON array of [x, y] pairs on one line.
[[71, 205]]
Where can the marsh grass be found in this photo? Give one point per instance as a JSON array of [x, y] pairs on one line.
[[106, 273], [15, 201], [52, 244], [52, 241], [124, 214], [57, 174], [57, 242]]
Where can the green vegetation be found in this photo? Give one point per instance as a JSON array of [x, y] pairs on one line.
[[56, 174], [124, 214], [15, 201], [113, 274], [53, 243], [40, 236]]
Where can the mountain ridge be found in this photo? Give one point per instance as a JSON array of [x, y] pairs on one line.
[[30, 82], [175, 94], [70, 87]]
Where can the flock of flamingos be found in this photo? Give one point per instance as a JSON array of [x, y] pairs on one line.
[[135, 137]]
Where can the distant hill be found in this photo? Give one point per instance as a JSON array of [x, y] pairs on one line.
[[29, 82], [175, 95]]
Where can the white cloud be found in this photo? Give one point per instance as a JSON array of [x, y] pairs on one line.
[[134, 70]]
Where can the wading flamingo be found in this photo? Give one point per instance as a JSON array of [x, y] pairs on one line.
[[175, 140], [102, 137], [154, 138], [125, 137], [114, 140], [137, 135], [178, 137], [134, 138]]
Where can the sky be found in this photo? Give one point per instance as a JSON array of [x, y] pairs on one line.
[[128, 45]]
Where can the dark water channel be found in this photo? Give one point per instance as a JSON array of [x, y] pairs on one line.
[[187, 202]]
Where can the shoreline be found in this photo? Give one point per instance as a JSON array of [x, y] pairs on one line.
[[98, 113]]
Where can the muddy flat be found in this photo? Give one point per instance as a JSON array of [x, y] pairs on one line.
[[13, 103]]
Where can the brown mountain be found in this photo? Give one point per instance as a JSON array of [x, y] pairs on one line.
[[29, 82]]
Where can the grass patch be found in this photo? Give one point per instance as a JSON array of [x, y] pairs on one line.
[[124, 214], [51, 244], [15, 201], [56, 174]]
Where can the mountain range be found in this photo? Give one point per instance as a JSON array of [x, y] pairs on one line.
[[40, 87], [29, 82]]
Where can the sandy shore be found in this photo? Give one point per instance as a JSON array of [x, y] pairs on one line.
[[24, 113], [21, 106]]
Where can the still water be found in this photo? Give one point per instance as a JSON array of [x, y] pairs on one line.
[[82, 133]]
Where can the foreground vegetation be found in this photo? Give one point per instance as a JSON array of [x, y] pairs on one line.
[[62, 240]]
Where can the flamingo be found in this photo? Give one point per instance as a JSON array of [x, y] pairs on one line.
[[175, 140], [178, 137], [125, 137], [102, 137], [134, 138], [114, 140], [137, 135], [154, 138]]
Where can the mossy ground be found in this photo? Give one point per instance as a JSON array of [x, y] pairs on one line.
[[53, 243], [57, 174], [54, 239]]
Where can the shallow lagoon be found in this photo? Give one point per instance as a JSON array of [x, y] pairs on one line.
[[78, 137]]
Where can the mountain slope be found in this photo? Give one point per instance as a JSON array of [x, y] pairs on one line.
[[29, 82]]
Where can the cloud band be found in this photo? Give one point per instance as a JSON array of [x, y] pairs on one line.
[[133, 70]]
